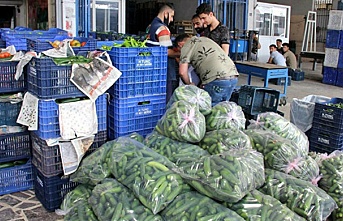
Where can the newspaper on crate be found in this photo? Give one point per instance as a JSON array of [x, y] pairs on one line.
[[94, 78]]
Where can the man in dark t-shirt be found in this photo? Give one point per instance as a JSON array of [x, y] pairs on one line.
[[215, 30]]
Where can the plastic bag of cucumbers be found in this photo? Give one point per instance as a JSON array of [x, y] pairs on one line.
[[183, 122], [94, 168], [193, 206], [225, 115], [219, 141], [300, 196], [281, 126], [75, 205], [258, 206], [147, 173], [111, 200], [225, 177], [331, 168], [193, 95], [176, 151], [283, 155]]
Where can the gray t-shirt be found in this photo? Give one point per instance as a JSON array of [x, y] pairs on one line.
[[278, 58], [208, 59]]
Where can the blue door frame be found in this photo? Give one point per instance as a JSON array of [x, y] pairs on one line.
[[83, 10], [234, 6]]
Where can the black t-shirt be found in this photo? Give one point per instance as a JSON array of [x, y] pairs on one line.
[[220, 35]]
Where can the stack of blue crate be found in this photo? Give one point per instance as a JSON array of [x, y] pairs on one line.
[[327, 126], [15, 147], [138, 98], [51, 84], [333, 63]]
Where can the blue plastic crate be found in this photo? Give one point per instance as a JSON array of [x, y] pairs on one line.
[[57, 31], [340, 59], [325, 137], [19, 43], [140, 83], [254, 100], [238, 46], [297, 75], [107, 43], [50, 191], [339, 79], [2, 43], [47, 159], [15, 146], [128, 59], [9, 113], [16, 178], [332, 39], [331, 117], [329, 75], [47, 80], [89, 46], [7, 80], [138, 114], [39, 45], [281, 81], [48, 122]]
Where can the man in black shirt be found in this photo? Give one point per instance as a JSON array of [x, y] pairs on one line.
[[215, 30]]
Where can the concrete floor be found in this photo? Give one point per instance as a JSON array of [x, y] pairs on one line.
[[25, 207]]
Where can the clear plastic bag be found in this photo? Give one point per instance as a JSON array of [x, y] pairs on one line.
[[225, 177], [279, 125], [81, 211], [283, 155], [301, 111], [183, 122], [331, 168], [300, 196], [177, 152], [225, 115], [193, 206], [219, 141], [258, 206], [93, 168], [111, 200], [147, 173], [193, 95], [136, 136], [80, 194]]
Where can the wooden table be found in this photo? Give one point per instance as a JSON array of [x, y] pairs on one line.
[[265, 71]]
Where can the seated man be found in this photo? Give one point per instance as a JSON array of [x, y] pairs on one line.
[[276, 57], [217, 72], [291, 60]]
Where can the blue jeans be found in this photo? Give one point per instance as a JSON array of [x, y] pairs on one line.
[[221, 90]]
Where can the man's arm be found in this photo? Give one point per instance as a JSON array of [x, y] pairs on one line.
[[270, 61], [172, 53], [183, 71], [226, 47]]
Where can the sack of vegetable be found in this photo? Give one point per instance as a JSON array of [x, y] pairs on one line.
[[183, 122], [75, 205], [258, 206], [110, 200], [176, 151], [225, 115], [225, 177], [331, 168], [136, 136], [193, 206], [219, 141], [145, 172], [279, 125], [94, 168], [193, 95], [283, 155], [300, 196]]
